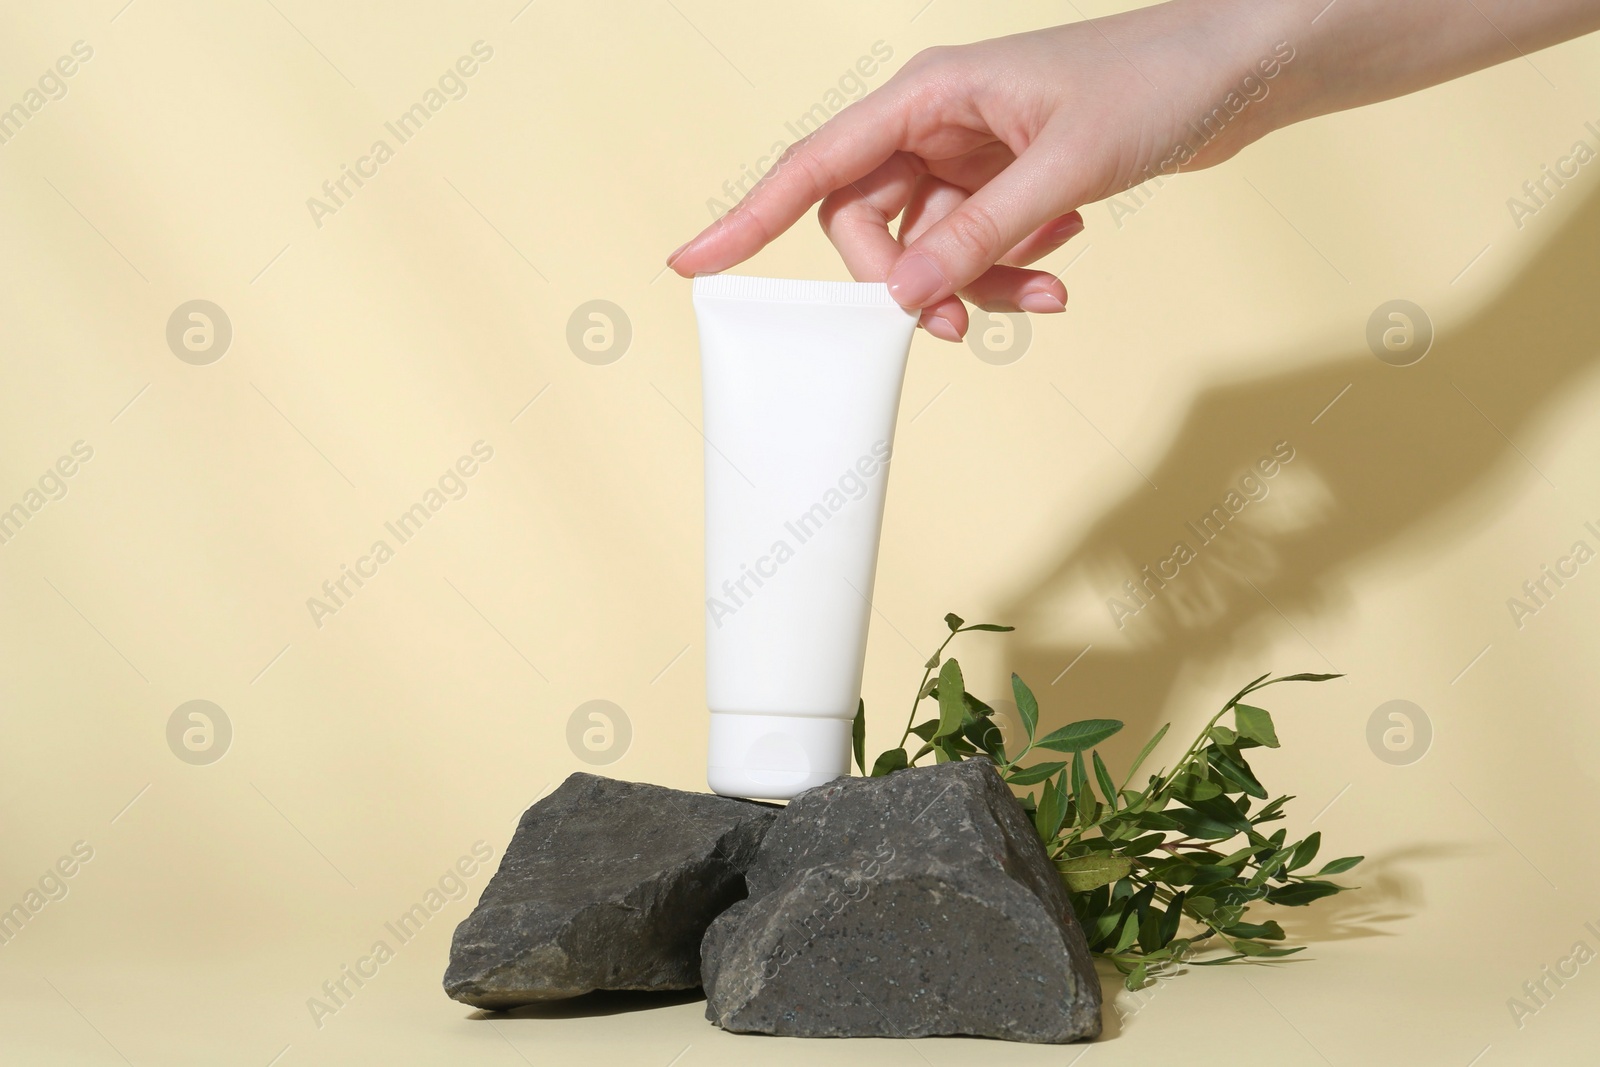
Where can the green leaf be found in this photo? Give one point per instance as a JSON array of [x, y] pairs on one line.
[[952, 709], [1195, 824], [1052, 810], [1222, 735], [1267, 931], [1141, 845], [1149, 746], [1305, 852], [1256, 948], [1083, 873], [858, 736], [1078, 736], [1035, 774], [1237, 772], [1027, 706], [1137, 978], [1106, 925], [1082, 795], [889, 762], [1223, 810], [1251, 948], [1271, 811], [1193, 787], [975, 707], [991, 627], [1169, 921], [933, 661], [1308, 678], [1108, 788], [1130, 931], [925, 730], [1299, 894], [1150, 932], [1339, 866], [954, 622], [985, 733], [1241, 694], [1210, 874], [1256, 724]]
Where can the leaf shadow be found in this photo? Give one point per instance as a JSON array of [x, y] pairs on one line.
[[1390, 464], [1385, 891]]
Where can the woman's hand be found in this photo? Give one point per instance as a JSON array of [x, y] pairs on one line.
[[986, 151]]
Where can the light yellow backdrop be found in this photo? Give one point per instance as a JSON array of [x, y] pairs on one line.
[[377, 338]]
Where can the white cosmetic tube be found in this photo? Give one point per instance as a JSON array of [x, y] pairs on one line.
[[802, 384]]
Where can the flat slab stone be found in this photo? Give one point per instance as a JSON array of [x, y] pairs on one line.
[[916, 904], [605, 885]]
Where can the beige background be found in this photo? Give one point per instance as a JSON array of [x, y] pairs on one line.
[[370, 352]]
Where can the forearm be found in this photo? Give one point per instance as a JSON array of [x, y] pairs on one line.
[[1359, 52]]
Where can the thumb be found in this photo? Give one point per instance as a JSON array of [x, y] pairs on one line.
[[975, 236]]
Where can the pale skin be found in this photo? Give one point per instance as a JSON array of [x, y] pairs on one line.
[[985, 152]]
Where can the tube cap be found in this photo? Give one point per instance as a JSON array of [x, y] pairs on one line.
[[775, 757]]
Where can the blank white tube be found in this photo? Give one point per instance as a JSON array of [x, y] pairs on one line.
[[802, 384]]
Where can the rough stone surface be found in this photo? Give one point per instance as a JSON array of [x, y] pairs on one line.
[[916, 904], [605, 885]]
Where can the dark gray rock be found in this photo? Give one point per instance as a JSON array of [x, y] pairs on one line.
[[605, 885], [916, 904]]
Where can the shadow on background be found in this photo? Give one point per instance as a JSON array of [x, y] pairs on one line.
[[1404, 458], [1388, 893]]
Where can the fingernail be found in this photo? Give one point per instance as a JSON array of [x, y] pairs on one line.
[[942, 328], [915, 280], [1069, 227], [676, 252], [1041, 303]]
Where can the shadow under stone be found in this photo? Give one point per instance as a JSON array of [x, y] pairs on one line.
[[599, 1003]]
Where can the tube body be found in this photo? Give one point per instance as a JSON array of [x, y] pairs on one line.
[[801, 387]]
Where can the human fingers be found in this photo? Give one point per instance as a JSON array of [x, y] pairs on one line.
[[856, 219], [1000, 288], [844, 149], [993, 220], [1046, 239]]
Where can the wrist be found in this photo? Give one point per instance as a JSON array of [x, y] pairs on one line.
[[1251, 86]]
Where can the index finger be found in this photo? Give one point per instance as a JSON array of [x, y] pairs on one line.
[[847, 147]]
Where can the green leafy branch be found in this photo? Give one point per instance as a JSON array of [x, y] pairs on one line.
[[1137, 862]]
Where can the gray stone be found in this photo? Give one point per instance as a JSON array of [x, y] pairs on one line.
[[916, 904], [605, 885]]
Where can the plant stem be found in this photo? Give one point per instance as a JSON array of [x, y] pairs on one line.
[[927, 672]]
